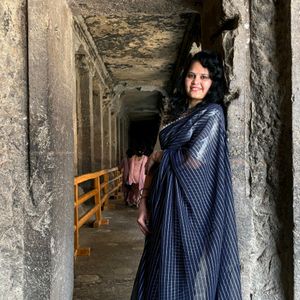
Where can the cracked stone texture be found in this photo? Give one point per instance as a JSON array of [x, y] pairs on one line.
[[49, 219], [138, 48], [295, 30], [116, 249], [125, 7], [270, 148], [36, 236], [138, 40], [236, 48], [13, 145], [260, 144]]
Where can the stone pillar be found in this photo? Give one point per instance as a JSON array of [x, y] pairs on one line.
[[270, 149], [120, 139], [85, 123], [237, 68], [98, 126], [75, 122], [106, 134], [113, 139], [295, 34], [259, 125], [48, 213], [14, 178]]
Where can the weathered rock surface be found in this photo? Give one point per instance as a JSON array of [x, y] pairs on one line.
[[295, 42], [270, 147], [36, 158], [49, 213], [124, 7], [260, 144], [13, 144]]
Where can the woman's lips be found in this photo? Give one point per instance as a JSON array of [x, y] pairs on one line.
[[195, 89]]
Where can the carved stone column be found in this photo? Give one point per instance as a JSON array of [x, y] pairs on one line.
[[106, 133], [295, 26], [113, 138], [119, 140], [98, 125], [85, 124]]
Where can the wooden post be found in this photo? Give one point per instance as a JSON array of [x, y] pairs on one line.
[[106, 189], [76, 217], [78, 251], [99, 220], [97, 202]]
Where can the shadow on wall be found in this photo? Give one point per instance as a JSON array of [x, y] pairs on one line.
[[284, 205]]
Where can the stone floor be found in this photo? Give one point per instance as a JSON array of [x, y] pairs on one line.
[[115, 253]]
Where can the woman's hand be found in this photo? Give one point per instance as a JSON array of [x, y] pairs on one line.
[[154, 158], [143, 217]]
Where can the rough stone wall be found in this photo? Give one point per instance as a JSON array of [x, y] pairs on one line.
[[295, 33], [13, 145], [237, 68], [48, 236], [258, 69], [270, 149]]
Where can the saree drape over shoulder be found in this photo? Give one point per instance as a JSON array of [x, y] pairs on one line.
[[192, 251]]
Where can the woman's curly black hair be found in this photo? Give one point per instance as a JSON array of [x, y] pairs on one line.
[[178, 103]]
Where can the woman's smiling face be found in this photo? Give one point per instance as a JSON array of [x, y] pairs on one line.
[[197, 83]]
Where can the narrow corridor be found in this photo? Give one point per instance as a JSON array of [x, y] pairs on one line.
[[83, 81], [115, 252]]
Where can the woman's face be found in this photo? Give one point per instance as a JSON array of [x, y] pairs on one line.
[[197, 83]]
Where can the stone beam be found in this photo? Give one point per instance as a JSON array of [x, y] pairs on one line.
[[84, 39], [154, 7]]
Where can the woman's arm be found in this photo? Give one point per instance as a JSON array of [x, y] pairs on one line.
[[153, 159], [143, 213]]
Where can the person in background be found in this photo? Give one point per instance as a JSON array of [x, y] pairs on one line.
[[136, 176], [124, 166], [186, 209]]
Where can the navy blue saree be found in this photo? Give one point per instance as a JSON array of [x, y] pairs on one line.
[[192, 251]]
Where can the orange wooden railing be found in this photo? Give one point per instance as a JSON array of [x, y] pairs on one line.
[[105, 184]]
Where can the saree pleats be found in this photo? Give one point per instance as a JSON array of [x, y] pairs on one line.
[[192, 251]]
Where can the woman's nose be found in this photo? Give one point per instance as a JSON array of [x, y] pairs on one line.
[[196, 79]]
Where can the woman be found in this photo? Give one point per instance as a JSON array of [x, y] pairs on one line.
[[136, 177], [124, 166], [187, 213]]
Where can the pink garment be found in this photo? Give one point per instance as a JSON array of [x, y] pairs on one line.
[[125, 167], [137, 170], [136, 178]]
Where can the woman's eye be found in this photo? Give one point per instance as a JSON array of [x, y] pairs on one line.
[[191, 76], [204, 77]]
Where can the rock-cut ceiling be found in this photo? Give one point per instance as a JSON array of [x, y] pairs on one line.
[[138, 40]]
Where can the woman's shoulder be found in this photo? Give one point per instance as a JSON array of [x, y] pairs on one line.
[[215, 108], [211, 109]]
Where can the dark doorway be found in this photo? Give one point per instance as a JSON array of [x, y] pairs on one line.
[[143, 134]]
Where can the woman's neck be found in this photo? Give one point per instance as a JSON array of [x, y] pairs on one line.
[[193, 102]]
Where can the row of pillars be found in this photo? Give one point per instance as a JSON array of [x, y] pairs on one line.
[[101, 130]]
